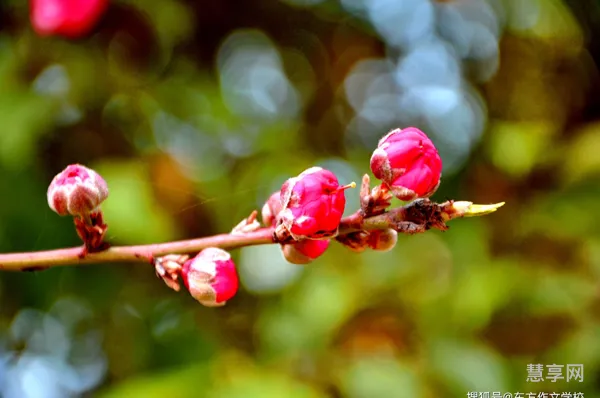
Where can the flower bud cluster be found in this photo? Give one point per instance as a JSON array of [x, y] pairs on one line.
[[305, 213]]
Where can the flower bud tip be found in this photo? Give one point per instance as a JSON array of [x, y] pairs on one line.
[[482, 210], [468, 209]]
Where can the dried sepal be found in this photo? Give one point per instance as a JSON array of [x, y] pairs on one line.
[[247, 225], [169, 267]]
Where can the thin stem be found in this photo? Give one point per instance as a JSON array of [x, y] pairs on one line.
[[31, 261], [415, 217]]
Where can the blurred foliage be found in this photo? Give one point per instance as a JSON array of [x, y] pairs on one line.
[[195, 111]]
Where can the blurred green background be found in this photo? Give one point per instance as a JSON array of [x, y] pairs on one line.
[[195, 111]]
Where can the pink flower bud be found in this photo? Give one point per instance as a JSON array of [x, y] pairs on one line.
[[271, 209], [304, 251], [408, 163], [313, 204], [68, 18], [211, 277], [77, 190]]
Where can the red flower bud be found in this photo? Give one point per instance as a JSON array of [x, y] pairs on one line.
[[211, 277], [271, 209], [77, 190], [304, 251], [68, 18], [408, 163], [313, 204]]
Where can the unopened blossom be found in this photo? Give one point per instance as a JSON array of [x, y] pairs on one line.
[[77, 190], [67, 18], [211, 277], [304, 251], [377, 239], [408, 164], [382, 239], [271, 209], [313, 204]]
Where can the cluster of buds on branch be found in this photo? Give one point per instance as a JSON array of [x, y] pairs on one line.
[[304, 217]]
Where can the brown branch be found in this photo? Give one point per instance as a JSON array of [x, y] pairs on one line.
[[32, 261], [416, 217]]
